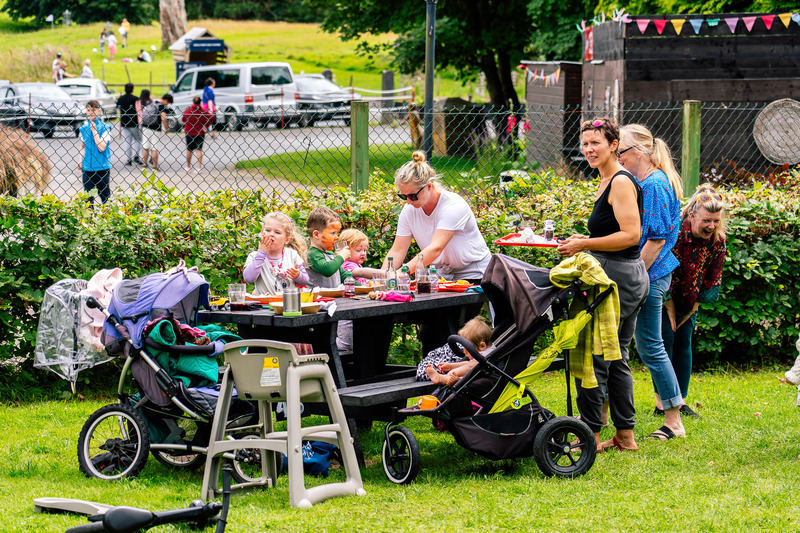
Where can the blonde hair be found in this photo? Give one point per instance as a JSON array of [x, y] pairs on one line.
[[295, 240], [417, 172], [352, 237], [87, 62], [320, 218], [712, 205], [657, 150], [477, 331]]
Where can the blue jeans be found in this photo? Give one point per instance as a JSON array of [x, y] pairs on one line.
[[679, 349], [650, 344]]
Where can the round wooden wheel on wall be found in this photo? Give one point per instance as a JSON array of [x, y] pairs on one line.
[[777, 132]]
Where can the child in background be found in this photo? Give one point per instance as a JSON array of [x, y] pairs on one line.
[[278, 262], [444, 367], [358, 243], [324, 267]]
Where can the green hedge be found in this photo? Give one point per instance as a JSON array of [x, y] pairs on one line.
[[46, 240]]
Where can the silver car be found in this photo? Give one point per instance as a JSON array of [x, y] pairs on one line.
[[48, 108], [85, 89]]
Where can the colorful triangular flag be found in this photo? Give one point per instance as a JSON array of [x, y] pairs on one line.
[[659, 24], [642, 23], [678, 25], [712, 22], [732, 22], [796, 17], [748, 22], [768, 20], [786, 18], [696, 25]]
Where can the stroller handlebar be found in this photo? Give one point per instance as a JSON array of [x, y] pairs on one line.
[[454, 340], [92, 303]]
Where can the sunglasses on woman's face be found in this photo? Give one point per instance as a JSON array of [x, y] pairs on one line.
[[414, 196], [626, 149]]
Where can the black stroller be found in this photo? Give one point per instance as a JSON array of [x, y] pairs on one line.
[[479, 411], [165, 416]]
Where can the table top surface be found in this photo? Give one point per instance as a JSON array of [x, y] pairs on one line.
[[346, 309]]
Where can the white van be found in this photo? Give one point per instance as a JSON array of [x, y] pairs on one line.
[[261, 93]]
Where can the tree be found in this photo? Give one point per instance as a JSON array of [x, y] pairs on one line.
[[173, 21], [489, 36]]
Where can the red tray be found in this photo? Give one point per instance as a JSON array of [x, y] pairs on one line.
[[506, 241], [455, 288]]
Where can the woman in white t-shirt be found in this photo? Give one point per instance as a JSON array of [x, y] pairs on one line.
[[441, 222]]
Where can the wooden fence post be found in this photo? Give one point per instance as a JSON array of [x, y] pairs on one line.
[[359, 146], [690, 159]]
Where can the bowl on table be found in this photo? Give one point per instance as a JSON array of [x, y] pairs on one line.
[[364, 289], [331, 293], [309, 308]]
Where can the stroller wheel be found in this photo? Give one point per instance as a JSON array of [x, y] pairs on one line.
[[189, 461], [113, 443], [247, 463], [564, 447], [178, 458], [400, 456]]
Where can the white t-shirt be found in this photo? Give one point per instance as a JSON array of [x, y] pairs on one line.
[[112, 40], [466, 256]]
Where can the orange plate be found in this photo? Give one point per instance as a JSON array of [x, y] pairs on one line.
[[454, 288], [507, 241], [265, 299]]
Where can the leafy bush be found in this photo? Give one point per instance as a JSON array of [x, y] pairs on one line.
[[45, 240]]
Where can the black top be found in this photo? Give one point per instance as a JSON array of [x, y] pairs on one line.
[[127, 110], [602, 221]]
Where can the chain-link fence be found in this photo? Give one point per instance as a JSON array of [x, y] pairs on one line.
[[473, 147]]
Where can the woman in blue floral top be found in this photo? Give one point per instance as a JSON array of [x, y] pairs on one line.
[[650, 161], [701, 252]]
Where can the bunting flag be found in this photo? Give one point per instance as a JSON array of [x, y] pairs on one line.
[[642, 23], [785, 18], [696, 25], [678, 25], [660, 23], [550, 79], [768, 20], [712, 22], [748, 22], [732, 22], [796, 17]]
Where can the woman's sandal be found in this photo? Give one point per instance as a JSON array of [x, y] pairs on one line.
[[664, 433]]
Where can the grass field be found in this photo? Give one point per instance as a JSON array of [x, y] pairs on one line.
[[27, 51], [736, 471]]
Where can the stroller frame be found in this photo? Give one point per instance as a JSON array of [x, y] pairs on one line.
[[562, 446]]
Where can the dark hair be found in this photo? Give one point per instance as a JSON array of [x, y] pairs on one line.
[[128, 88], [209, 81], [145, 96], [605, 125], [320, 218], [167, 97], [197, 100], [94, 104]]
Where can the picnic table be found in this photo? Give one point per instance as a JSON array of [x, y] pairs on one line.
[[368, 384]]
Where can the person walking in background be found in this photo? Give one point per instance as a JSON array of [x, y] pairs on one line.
[[129, 123], [86, 71], [701, 252], [124, 30], [103, 41], [112, 46], [195, 124], [96, 165], [209, 100], [649, 160]]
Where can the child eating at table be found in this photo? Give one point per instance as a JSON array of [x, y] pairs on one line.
[[324, 267], [358, 243], [444, 367], [278, 262]]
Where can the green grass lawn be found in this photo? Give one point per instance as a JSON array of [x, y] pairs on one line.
[[27, 51], [306, 167], [736, 471]]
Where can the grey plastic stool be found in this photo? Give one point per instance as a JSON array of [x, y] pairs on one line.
[[279, 374]]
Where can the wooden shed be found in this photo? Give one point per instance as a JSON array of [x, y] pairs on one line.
[[631, 68], [198, 45], [553, 98]]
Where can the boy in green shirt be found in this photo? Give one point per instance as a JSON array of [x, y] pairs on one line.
[[324, 267]]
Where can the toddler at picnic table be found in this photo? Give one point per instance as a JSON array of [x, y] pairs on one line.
[[358, 244], [278, 262], [324, 266], [444, 367]]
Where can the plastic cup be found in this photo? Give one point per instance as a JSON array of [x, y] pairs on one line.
[[428, 402], [340, 245], [379, 279], [236, 292]]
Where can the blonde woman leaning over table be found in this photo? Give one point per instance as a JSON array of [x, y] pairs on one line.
[[615, 227]]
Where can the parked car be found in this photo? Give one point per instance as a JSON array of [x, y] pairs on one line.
[[85, 89], [261, 93], [318, 98], [11, 113], [48, 108]]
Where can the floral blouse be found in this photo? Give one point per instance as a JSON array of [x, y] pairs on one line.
[[699, 276]]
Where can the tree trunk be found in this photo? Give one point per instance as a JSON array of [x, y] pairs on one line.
[[488, 66], [173, 21]]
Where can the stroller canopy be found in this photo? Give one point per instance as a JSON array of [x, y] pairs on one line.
[[177, 293]]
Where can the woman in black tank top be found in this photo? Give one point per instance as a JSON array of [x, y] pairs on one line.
[[615, 227]]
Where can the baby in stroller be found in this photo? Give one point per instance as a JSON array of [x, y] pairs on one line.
[[442, 366]]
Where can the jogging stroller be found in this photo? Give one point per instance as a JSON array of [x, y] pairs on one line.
[[167, 415], [491, 412]]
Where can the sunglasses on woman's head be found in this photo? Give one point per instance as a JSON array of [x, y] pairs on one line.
[[626, 149], [414, 196], [596, 123], [707, 197]]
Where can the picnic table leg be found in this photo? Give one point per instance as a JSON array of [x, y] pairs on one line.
[[371, 340]]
